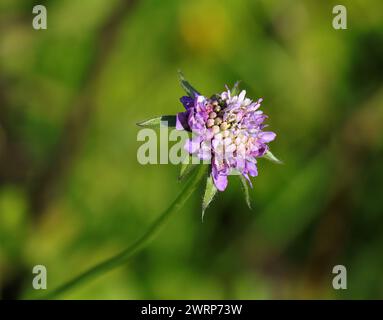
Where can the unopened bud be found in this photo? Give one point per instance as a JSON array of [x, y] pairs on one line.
[[215, 129], [224, 126], [210, 123]]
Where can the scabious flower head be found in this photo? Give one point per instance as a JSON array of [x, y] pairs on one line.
[[227, 130]]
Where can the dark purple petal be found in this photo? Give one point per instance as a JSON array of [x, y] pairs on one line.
[[182, 121], [188, 102]]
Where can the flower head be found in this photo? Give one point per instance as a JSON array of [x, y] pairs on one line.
[[228, 130]]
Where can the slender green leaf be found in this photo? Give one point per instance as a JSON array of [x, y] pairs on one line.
[[235, 90], [210, 192], [187, 166], [159, 122], [269, 156], [187, 86], [245, 187]]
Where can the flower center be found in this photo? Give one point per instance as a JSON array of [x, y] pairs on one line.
[[228, 138]]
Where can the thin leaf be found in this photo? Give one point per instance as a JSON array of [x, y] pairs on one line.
[[187, 166], [210, 192], [235, 90], [246, 190], [159, 122], [191, 92], [269, 156]]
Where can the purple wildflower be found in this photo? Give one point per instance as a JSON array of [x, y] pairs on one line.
[[227, 130]]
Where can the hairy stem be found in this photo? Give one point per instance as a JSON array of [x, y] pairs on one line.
[[142, 242]]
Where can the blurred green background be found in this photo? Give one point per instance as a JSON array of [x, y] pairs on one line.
[[72, 192]]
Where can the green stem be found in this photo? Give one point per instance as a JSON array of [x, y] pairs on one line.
[[143, 241]]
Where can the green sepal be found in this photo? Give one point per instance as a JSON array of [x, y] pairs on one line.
[[235, 90], [210, 192], [189, 89], [246, 192], [187, 166], [159, 122], [269, 156]]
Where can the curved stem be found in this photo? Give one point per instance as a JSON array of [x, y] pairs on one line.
[[140, 243]]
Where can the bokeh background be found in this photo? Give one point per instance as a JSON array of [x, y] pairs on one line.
[[72, 192]]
